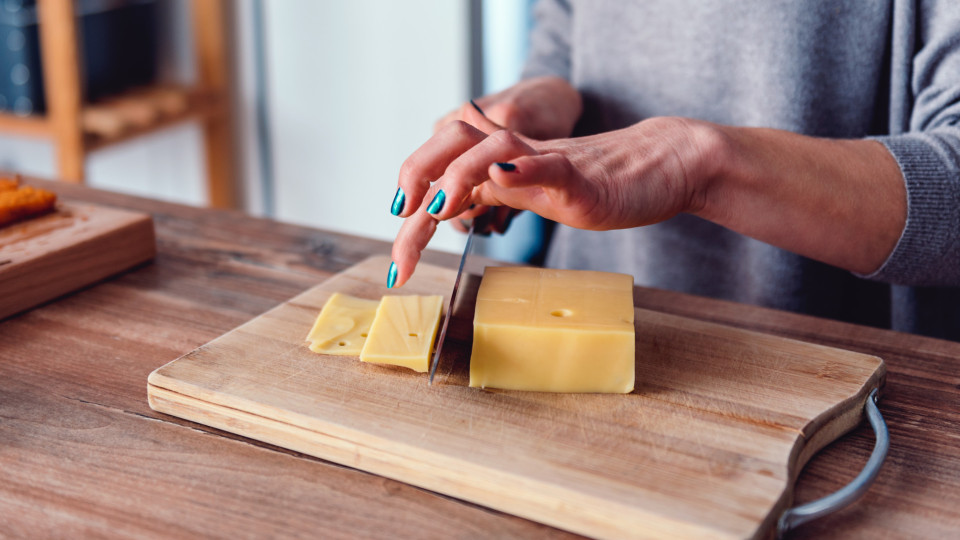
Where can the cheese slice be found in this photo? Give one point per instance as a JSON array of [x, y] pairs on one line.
[[403, 331], [547, 330], [343, 325]]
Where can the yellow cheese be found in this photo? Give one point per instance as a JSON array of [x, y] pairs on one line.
[[403, 331], [342, 326], [549, 330]]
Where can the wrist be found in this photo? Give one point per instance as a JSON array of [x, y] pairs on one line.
[[714, 161]]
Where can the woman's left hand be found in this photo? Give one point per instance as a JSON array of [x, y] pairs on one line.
[[626, 178]]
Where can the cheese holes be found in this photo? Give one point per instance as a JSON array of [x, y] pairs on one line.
[[561, 313]]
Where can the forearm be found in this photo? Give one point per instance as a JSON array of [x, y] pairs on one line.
[[842, 202]]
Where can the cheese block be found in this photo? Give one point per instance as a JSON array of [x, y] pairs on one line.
[[403, 331], [342, 326], [548, 330]]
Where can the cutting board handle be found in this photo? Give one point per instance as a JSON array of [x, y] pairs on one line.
[[794, 517]]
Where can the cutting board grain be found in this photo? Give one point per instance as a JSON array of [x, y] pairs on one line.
[[707, 446], [76, 245]]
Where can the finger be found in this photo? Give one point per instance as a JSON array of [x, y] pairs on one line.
[[412, 239], [471, 113], [451, 194], [449, 117], [548, 185], [474, 211], [428, 163], [462, 222]]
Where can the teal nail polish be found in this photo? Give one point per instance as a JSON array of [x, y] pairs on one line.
[[436, 205], [507, 167], [392, 275], [398, 201]]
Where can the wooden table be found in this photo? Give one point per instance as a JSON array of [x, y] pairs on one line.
[[81, 453]]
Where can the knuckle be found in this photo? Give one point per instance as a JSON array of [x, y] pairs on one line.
[[508, 139], [459, 128], [567, 166], [501, 136], [454, 174], [408, 169]]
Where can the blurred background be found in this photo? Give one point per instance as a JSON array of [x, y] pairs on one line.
[[299, 110]]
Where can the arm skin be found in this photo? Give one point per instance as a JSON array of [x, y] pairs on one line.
[[842, 202]]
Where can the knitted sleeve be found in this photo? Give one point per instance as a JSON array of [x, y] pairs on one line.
[[925, 141], [550, 40]]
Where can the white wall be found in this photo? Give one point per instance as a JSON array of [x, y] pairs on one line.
[[354, 88], [165, 165]]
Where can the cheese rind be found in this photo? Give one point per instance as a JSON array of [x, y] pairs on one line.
[[403, 331], [547, 330], [343, 325]]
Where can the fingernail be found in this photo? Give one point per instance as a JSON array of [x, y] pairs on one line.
[[477, 107], [392, 275], [507, 167], [398, 201], [436, 205]]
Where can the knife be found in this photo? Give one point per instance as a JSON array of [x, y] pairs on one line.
[[478, 222]]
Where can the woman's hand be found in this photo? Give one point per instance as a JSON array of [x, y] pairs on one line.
[[842, 202], [540, 108], [626, 178]]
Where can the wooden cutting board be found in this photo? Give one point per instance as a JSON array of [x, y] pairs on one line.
[[75, 245], [707, 446]]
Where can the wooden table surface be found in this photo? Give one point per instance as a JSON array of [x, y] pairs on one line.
[[81, 453]]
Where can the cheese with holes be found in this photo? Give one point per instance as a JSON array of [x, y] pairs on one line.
[[343, 325], [403, 331], [545, 330]]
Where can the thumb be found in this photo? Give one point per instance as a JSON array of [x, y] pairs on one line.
[[549, 185]]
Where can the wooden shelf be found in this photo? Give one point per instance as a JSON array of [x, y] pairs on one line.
[[30, 126], [123, 117], [143, 111], [77, 128]]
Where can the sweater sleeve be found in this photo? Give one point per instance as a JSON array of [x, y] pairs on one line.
[[550, 40], [927, 149]]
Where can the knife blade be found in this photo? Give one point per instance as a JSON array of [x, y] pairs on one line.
[[453, 297]]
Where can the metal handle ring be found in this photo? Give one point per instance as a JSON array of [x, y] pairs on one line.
[[794, 517]]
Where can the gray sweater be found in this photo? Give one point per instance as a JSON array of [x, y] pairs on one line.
[[887, 69]]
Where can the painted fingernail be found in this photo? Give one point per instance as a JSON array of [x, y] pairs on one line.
[[507, 167], [436, 205], [477, 107], [398, 201], [392, 275]]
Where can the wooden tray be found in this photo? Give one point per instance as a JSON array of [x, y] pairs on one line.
[[708, 445], [76, 245]]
